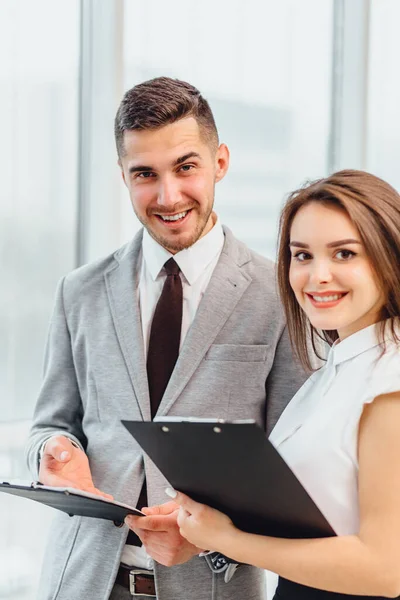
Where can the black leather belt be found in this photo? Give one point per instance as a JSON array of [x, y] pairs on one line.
[[139, 582]]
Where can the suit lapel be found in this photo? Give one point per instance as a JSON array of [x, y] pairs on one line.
[[227, 285], [122, 283]]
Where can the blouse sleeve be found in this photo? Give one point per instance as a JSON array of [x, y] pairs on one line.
[[385, 377]]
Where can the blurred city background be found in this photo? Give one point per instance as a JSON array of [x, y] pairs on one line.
[[298, 89]]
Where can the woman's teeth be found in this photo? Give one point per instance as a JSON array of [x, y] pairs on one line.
[[327, 298], [174, 217]]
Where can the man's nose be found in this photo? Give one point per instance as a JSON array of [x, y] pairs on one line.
[[168, 193]]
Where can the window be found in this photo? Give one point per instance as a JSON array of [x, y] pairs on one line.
[[269, 70], [38, 153], [383, 139], [265, 68]]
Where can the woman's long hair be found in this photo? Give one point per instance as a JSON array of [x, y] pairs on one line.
[[373, 206]]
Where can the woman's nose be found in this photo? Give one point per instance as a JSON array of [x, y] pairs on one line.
[[321, 272]]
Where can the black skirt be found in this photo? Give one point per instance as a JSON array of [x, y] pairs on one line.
[[289, 590]]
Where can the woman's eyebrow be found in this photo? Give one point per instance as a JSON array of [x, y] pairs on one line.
[[299, 244], [330, 245], [342, 243]]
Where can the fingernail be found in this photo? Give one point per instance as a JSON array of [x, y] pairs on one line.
[[64, 455], [171, 492]]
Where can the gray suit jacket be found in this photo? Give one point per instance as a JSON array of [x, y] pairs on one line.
[[235, 363]]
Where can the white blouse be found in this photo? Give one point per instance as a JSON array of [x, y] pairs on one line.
[[317, 434]]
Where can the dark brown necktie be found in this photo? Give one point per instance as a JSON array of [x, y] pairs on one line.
[[165, 335]]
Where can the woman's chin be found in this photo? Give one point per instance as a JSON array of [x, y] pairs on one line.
[[325, 324]]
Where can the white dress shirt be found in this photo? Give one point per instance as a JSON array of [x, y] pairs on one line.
[[317, 434], [197, 264]]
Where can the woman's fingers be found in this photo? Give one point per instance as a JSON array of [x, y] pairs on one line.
[[184, 501]]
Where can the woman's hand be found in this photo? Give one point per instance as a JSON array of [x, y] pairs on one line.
[[201, 525]]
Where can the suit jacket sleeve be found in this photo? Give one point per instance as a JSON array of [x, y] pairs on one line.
[[285, 378], [59, 407]]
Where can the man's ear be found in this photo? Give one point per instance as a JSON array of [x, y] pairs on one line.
[[222, 162]]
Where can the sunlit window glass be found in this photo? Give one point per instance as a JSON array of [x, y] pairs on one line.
[[39, 46]]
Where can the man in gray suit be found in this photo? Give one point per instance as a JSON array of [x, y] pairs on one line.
[[233, 359]]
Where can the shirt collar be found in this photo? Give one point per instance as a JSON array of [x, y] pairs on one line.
[[355, 344], [192, 261]]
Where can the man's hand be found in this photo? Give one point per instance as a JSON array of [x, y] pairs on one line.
[[64, 465], [159, 533]]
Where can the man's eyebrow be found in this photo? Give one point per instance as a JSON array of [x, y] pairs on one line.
[[186, 157], [178, 161], [330, 245]]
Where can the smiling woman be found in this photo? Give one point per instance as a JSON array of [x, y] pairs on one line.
[[338, 270], [339, 257], [330, 272]]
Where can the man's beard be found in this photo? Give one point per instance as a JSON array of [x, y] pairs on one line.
[[178, 245]]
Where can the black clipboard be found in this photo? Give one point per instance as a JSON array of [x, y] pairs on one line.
[[233, 467], [72, 501]]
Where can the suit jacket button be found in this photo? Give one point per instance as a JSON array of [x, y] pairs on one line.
[[118, 523]]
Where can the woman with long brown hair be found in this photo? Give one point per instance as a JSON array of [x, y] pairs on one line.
[[339, 279]]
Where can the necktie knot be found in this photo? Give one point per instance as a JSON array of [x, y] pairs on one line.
[[171, 267]]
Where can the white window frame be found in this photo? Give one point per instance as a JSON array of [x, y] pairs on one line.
[[348, 145], [101, 89]]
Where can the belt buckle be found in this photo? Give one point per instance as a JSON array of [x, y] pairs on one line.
[[132, 582]]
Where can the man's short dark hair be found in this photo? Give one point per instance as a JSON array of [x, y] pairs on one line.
[[159, 102]]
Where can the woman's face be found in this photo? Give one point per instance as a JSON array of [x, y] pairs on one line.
[[330, 272]]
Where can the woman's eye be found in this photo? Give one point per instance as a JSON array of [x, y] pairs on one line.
[[301, 256], [344, 254]]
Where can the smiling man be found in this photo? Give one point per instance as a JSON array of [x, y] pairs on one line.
[[185, 321], [172, 187]]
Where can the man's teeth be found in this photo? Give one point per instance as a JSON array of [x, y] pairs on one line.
[[328, 298], [174, 217]]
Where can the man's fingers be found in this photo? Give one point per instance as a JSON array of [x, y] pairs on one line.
[[100, 493], [59, 447], [162, 509], [151, 523], [133, 522]]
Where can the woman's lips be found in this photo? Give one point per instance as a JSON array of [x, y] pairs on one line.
[[326, 299]]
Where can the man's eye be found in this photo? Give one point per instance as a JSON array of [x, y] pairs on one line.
[[301, 256], [145, 174], [186, 168], [345, 254]]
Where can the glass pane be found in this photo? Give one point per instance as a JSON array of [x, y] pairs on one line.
[[39, 46], [265, 68], [383, 141]]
